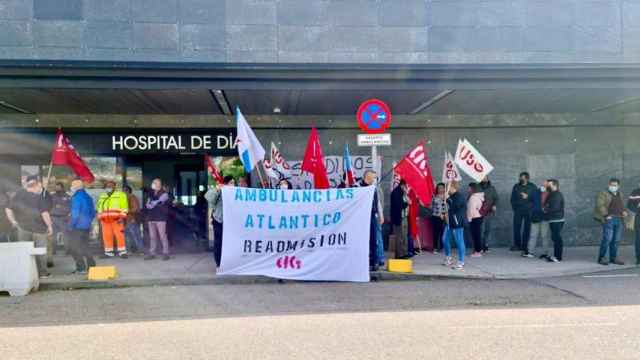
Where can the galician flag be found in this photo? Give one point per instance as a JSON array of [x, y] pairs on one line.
[[249, 148]]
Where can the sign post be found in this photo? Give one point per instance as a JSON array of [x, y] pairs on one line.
[[374, 117]]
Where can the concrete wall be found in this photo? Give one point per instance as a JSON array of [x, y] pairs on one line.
[[323, 31]]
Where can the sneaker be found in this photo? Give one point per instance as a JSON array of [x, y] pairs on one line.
[[617, 261], [109, 254], [45, 276], [124, 256], [528, 255], [458, 266], [448, 261], [149, 257], [83, 272], [167, 257], [543, 257], [435, 252], [553, 259], [476, 255], [603, 262]]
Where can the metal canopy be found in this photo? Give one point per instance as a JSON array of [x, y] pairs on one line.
[[60, 87]]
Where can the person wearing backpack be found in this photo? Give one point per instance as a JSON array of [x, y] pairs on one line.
[[82, 214]]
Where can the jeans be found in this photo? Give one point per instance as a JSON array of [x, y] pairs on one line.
[[402, 243], [636, 226], [611, 233], [133, 236], [540, 231], [458, 234], [379, 245], [158, 233], [476, 234], [521, 228], [438, 229], [38, 240], [217, 242], [78, 243], [556, 237], [487, 225]]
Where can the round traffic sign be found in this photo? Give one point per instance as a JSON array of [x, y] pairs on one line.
[[374, 116]]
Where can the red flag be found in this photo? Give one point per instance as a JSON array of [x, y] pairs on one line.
[[64, 154], [213, 170], [415, 170], [313, 161]]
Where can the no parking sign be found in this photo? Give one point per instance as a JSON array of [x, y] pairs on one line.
[[374, 116]]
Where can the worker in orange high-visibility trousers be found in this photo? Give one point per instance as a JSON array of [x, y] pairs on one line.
[[112, 211]]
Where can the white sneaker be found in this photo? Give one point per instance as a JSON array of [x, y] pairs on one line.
[[528, 256], [554, 259], [448, 261], [476, 255], [459, 266]]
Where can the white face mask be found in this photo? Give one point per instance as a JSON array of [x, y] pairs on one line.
[[543, 189], [613, 188]]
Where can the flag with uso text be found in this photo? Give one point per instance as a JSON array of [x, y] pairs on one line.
[[471, 161], [297, 234]]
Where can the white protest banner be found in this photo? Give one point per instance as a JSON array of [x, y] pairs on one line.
[[450, 171], [471, 161], [297, 234], [334, 170]]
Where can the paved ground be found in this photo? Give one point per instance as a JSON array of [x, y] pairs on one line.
[[199, 269], [578, 317]]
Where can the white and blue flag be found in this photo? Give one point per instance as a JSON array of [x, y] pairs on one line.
[[249, 148]]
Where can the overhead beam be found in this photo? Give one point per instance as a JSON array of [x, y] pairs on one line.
[[443, 94]]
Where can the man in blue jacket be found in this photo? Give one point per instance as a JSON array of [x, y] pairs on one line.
[[82, 214]]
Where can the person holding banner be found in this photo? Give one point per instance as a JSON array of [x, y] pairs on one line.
[[214, 197], [522, 205], [455, 220], [369, 179]]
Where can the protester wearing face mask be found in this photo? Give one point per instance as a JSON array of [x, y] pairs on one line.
[[634, 205], [112, 213], [610, 212], [82, 214], [539, 227], [214, 197], [157, 213], [522, 205], [284, 184]]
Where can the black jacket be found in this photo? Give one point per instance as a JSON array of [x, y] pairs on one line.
[[457, 210], [517, 202], [398, 204], [554, 207]]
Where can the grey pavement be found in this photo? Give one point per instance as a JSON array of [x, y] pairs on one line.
[[199, 269]]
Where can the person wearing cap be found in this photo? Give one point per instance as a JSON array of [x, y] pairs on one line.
[[112, 213], [28, 213], [82, 214]]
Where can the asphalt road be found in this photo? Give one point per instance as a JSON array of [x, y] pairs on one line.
[[563, 318]]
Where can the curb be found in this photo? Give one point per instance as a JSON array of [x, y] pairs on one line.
[[232, 280]]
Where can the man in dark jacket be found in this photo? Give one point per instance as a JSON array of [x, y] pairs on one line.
[[488, 211], [522, 205], [399, 204], [59, 214], [82, 214], [554, 215]]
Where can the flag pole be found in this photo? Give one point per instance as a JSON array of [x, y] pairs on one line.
[[260, 174]]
